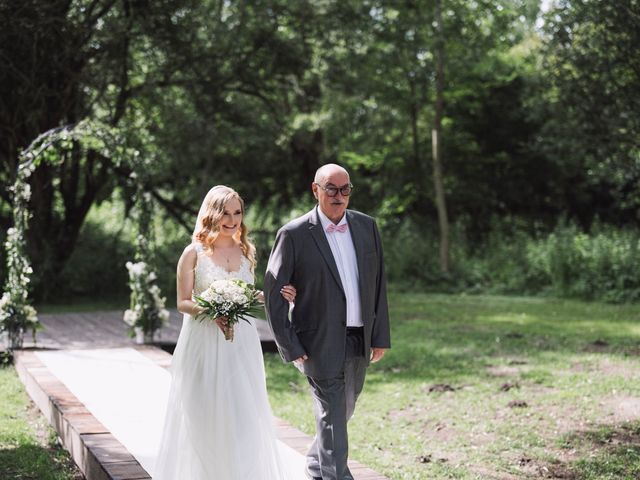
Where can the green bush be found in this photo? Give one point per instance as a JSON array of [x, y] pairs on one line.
[[598, 265], [601, 264]]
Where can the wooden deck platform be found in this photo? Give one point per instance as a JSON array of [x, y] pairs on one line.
[[107, 329], [97, 452]]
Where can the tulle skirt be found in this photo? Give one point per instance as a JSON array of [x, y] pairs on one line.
[[219, 423]]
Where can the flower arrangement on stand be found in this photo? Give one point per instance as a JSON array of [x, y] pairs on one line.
[[16, 314], [147, 312]]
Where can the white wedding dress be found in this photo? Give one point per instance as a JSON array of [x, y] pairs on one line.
[[219, 423]]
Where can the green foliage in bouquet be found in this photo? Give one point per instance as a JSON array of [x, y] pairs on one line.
[[231, 299]]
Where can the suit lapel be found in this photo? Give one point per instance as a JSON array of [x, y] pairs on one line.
[[315, 227], [357, 236]]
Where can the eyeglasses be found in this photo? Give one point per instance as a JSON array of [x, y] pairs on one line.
[[345, 190]]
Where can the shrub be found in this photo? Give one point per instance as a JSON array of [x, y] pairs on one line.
[[598, 265]]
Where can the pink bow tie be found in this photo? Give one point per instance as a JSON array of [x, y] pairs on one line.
[[337, 228]]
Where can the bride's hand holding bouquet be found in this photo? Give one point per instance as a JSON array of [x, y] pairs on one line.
[[226, 302]]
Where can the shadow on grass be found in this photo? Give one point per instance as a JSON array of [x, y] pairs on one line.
[[34, 462], [607, 451]]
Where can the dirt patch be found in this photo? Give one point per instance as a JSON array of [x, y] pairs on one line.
[[443, 441], [618, 369], [532, 468], [514, 366], [488, 474], [517, 362], [505, 387], [411, 413], [567, 434], [622, 408], [503, 370], [633, 351], [441, 387], [609, 368]]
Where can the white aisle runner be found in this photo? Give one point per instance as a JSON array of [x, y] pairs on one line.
[[127, 393]]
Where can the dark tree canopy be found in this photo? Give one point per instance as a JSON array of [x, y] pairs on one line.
[[537, 123]]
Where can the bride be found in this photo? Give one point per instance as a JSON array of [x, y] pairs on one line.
[[218, 423]]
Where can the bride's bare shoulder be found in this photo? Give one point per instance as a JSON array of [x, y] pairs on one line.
[[192, 249], [189, 254]]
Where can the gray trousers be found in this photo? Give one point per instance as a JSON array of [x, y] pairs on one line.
[[334, 403]]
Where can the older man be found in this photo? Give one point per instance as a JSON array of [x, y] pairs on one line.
[[340, 322]]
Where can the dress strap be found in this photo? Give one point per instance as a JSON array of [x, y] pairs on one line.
[[199, 247]]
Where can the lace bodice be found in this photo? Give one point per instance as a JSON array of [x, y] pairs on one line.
[[207, 271]]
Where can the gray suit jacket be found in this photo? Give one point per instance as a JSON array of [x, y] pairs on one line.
[[302, 257]]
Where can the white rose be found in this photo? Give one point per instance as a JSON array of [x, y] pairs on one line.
[[239, 299], [130, 317], [31, 314], [159, 302], [136, 269], [6, 297], [164, 315], [208, 295]]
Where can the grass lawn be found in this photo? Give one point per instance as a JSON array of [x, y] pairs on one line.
[[28, 446], [85, 305], [494, 388]]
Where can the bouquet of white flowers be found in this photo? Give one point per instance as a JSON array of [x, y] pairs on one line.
[[231, 299]]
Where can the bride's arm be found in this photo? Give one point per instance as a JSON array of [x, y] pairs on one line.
[[185, 278], [288, 292]]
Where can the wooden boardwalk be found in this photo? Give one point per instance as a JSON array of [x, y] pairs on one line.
[[107, 329], [97, 452]]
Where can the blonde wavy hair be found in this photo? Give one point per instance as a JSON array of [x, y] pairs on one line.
[[208, 224]]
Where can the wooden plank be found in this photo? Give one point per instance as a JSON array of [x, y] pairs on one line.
[[107, 329], [106, 448], [126, 471]]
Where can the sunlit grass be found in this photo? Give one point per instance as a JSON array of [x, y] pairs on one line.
[[84, 305], [525, 373], [28, 446]]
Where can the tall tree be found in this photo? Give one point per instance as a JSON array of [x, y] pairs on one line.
[[384, 82], [593, 60], [50, 50], [438, 182], [201, 87]]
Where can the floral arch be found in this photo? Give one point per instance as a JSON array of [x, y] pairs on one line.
[[17, 314]]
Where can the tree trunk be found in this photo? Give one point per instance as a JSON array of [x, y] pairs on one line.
[[438, 182], [419, 172]]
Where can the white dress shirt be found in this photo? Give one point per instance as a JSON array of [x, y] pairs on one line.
[[344, 253]]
